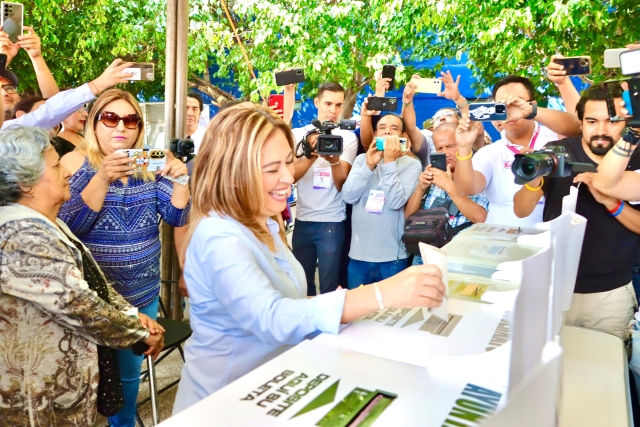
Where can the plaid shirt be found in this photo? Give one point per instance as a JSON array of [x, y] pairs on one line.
[[459, 219]]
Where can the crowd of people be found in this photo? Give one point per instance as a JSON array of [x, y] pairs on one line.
[[80, 244]]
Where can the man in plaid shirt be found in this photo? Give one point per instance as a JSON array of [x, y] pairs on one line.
[[441, 189]]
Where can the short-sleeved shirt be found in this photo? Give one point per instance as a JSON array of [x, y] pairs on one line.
[[609, 248], [494, 163], [459, 219], [323, 204]]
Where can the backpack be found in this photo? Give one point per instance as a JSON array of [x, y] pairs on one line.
[[430, 226]]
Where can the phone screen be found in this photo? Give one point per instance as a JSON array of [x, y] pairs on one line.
[[630, 62]]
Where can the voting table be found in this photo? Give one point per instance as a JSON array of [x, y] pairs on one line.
[[498, 356]]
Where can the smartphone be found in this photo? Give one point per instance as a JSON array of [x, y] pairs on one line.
[[612, 57], [12, 19], [630, 62], [290, 77], [439, 161], [381, 139], [276, 102], [575, 65], [147, 160], [142, 71], [487, 111], [427, 85], [382, 104], [389, 72], [3, 63]]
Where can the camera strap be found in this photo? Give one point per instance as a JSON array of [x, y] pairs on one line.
[[532, 144]]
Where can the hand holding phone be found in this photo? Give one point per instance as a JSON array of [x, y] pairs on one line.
[[428, 85], [382, 104], [12, 20], [141, 71], [439, 161], [575, 65], [276, 102], [389, 72], [487, 111], [289, 77]]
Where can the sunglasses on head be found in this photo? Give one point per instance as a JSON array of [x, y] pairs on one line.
[[111, 120]]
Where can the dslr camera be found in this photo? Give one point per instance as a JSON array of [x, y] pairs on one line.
[[550, 161], [327, 144], [182, 148]]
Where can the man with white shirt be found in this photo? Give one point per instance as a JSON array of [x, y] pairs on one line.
[[527, 128], [318, 235], [192, 131]]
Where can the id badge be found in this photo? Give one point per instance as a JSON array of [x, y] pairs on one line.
[[321, 178], [375, 202]]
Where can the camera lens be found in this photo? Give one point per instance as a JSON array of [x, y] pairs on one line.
[[501, 109], [299, 72], [329, 145], [532, 166]]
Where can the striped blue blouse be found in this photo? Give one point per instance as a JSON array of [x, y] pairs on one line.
[[124, 236]]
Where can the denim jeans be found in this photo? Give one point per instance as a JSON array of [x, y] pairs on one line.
[[130, 366], [365, 273], [319, 243]]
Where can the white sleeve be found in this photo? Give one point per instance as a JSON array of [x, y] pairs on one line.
[[349, 148], [483, 160], [160, 141], [55, 110]]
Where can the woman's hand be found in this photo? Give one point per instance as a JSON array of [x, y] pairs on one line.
[[156, 344], [150, 324], [417, 286], [115, 166], [174, 167], [112, 76]]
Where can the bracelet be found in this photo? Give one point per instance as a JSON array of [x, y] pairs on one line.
[[378, 296], [335, 164], [528, 187], [93, 87], [463, 105], [464, 158], [407, 103], [616, 211]]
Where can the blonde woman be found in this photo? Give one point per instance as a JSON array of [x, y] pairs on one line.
[[114, 212], [248, 293]]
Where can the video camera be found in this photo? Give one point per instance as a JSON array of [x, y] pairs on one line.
[[550, 161], [327, 144], [629, 66], [182, 148]]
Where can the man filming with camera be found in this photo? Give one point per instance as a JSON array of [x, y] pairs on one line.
[[192, 130], [604, 298], [319, 229]]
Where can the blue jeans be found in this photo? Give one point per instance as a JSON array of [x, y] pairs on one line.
[[319, 243], [130, 366], [365, 273]]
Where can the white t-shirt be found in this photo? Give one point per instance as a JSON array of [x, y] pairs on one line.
[[322, 204], [494, 162], [196, 137]]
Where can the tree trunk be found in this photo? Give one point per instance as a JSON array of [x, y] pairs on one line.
[[349, 103], [219, 96]]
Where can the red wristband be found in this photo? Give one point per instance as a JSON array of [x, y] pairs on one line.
[[614, 210]]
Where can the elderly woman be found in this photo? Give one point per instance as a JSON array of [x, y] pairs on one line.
[[58, 314], [115, 210]]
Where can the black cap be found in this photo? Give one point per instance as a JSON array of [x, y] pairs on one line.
[[9, 75]]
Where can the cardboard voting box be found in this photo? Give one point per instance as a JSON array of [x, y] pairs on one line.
[[314, 384]]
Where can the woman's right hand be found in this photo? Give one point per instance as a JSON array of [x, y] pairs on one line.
[[417, 286], [115, 166], [156, 344], [112, 76]]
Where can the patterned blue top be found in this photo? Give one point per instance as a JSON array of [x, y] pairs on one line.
[[124, 237]]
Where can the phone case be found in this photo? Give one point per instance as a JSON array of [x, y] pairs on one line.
[[487, 111], [147, 160], [381, 139], [382, 104], [389, 72], [12, 19], [290, 77], [612, 57], [276, 101], [428, 85], [439, 161], [575, 65], [142, 71]]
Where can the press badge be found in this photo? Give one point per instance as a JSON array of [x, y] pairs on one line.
[[321, 178], [375, 202]]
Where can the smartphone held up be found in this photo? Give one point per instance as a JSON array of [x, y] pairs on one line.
[[12, 19]]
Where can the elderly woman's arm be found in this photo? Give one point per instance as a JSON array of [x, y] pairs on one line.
[[39, 268]]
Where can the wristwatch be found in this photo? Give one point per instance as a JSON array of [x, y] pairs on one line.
[[534, 111], [631, 136]]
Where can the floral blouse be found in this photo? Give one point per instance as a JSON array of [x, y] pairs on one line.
[[50, 324]]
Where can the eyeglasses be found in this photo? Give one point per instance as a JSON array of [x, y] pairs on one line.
[[438, 116], [11, 90], [111, 120]]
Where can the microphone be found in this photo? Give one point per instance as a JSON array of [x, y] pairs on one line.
[[316, 123]]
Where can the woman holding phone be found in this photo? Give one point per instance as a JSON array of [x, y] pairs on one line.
[[114, 211], [248, 292]]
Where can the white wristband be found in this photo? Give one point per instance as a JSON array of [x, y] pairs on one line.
[[378, 296]]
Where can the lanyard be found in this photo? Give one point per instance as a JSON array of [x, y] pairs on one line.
[[532, 144]]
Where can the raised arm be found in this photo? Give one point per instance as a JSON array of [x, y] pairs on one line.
[[468, 181], [558, 121], [613, 179], [289, 103], [409, 114], [568, 92], [31, 43], [367, 131]]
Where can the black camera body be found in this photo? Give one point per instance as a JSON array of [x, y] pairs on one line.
[[550, 161], [182, 148], [327, 144]]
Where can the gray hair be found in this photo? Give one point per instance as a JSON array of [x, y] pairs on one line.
[[22, 161]]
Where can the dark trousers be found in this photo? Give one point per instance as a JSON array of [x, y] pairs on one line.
[[365, 273], [319, 243]]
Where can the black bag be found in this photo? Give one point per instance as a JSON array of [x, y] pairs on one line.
[[430, 226]]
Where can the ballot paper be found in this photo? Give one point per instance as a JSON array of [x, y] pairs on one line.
[[570, 201], [434, 256], [505, 233]]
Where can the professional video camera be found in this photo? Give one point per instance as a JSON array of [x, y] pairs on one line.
[[550, 161], [327, 144], [182, 148], [629, 66]]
